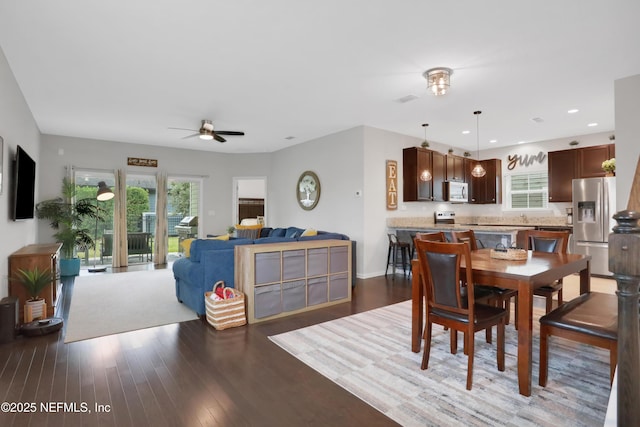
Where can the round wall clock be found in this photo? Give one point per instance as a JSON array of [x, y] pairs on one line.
[[308, 190]]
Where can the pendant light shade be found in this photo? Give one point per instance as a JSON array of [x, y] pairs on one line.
[[478, 171], [425, 175]]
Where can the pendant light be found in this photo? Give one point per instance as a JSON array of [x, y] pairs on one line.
[[478, 171], [425, 175]]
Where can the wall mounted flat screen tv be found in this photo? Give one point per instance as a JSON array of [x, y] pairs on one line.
[[24, 179]]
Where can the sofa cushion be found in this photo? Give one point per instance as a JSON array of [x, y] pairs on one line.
[[248, 231], [273, 240], [309, 232], [200, 245], [186, 247], [324, 236], [265, 232], [277, 232], [293, 232], [221, 237]]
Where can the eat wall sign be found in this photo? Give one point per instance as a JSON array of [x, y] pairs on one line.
[[392, 185]]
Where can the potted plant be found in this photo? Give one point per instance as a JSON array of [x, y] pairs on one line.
[[609, 166], [34, 281], [66, 214]]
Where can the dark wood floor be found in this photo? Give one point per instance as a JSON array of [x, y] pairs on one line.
[[186, 374]]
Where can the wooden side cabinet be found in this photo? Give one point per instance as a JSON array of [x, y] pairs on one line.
[[281, 279], [44, 256]]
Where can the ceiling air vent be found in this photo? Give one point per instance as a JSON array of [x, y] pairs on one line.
[[406, 99]]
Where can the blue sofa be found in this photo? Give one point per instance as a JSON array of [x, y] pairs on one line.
[[212, 260]]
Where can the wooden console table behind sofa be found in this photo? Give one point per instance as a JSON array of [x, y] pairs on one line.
[[280, 279]]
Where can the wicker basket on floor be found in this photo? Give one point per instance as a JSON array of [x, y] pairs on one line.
[[228, 312]]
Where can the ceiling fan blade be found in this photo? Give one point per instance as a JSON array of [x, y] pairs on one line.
[[192, 130], [229, 132], [218, 137], [191, 136]]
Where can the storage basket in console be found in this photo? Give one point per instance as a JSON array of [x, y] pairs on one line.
[[268, 300]]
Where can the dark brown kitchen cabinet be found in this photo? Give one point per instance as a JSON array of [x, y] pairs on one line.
[[563, 169], [417, 163], [439, 175], [566, 165], [456, 168], [590, 160], [486, 189]]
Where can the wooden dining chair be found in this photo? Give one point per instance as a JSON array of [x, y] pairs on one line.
[[591, 318], [436, 236], [548, 241], [446, 304], [500, 296]]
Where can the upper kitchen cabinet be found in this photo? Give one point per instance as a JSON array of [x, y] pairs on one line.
[[486, 189], [423, 175], [566, 165], [563, 169], [456, 170], [590, 160]]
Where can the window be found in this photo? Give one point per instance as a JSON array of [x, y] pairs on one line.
[[528, 191]]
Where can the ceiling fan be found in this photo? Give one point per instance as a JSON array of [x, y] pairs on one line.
[[207, 133]]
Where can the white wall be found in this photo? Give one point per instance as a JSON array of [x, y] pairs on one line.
[[17, 127], [338, 160], [627, 107], [218, 170]]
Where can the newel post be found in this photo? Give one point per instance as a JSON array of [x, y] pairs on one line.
[[624, 263]]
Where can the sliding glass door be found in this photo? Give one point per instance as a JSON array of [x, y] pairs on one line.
[[141, 217], [102, 231], [183, 211]]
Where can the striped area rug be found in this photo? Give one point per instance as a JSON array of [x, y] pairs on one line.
[[369, 355]]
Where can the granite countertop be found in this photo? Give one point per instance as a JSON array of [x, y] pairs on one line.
[[474, 227], [478, 223]]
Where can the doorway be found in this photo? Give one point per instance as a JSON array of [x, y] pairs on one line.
[[250, 199]]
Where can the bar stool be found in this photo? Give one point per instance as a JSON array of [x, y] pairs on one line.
[[397, 248]]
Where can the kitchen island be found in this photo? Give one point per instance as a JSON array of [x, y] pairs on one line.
[[489, 236]]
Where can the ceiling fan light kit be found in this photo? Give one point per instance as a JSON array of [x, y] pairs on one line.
[[438, 80]]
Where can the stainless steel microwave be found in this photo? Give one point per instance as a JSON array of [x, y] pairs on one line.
[[456, 192]]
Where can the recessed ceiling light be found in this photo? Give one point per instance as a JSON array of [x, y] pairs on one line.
[[493, 141], [573, 111], [289, 137], [537, 119], [466, 132], [592, 125], [520, 142]]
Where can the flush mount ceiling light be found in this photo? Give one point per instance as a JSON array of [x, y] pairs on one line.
[[438, 80], [478, 171]]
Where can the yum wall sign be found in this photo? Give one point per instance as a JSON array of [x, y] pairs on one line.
[[524, 160]]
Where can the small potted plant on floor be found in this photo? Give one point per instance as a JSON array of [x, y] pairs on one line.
[[34, 281], [66, 215]]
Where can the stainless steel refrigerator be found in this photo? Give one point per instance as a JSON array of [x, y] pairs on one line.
[[594, 204]]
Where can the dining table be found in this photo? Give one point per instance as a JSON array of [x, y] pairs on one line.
[[538, 269]]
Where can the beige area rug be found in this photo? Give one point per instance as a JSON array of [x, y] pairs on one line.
[[369, 355], [107, 304]]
